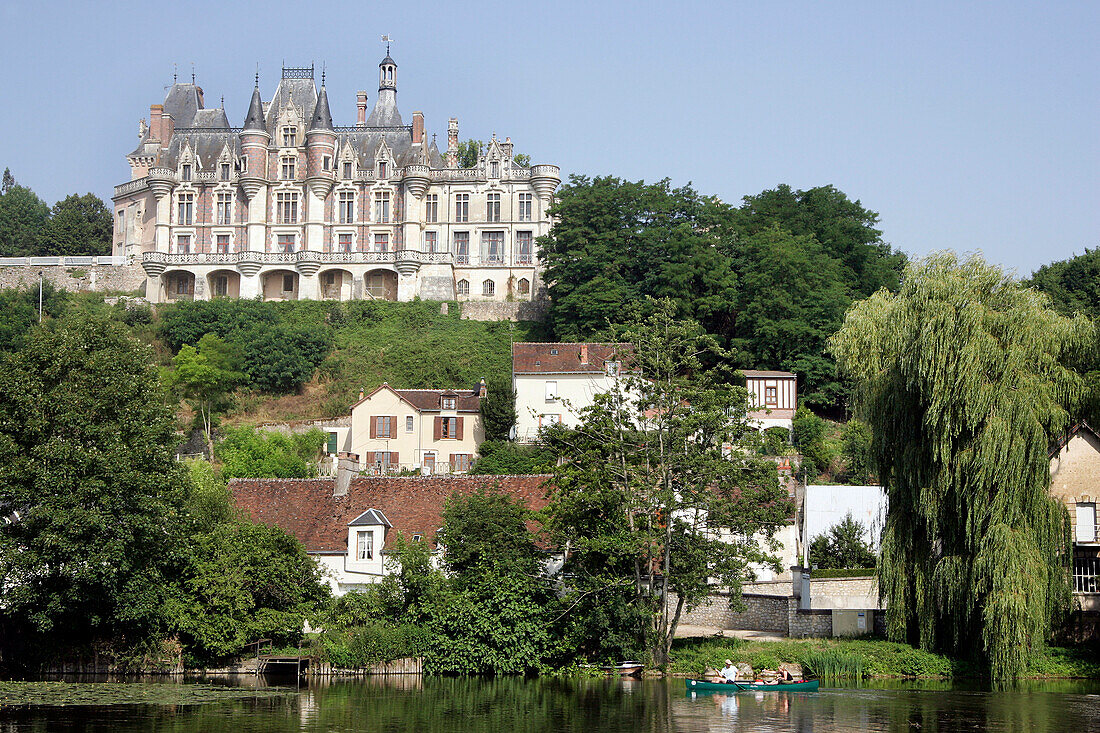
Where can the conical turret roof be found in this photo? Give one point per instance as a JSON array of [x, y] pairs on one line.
[[254, 120], [322, 118]]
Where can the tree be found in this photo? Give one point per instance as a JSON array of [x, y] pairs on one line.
[[485, 526], [845, 230], [78, 225], [86, 468], [204, 376], [498, 411], [468, 152], [23, 216], [248, 453], [649, 498], [960, 377], [842, 547], [856, 451], [808, 435], [20, 309], [9, 181], [505, 458]]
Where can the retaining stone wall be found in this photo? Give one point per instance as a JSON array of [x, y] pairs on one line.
[[298, 427], [534, 310], [808, 623], [90, 278]]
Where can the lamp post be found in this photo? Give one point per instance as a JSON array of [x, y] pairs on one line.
[[39, 297]]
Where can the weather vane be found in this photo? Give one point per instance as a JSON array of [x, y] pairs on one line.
[[387, 40]]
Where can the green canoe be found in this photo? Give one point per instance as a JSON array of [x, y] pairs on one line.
[[704, 686]]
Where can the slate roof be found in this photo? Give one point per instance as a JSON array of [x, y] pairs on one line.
[[182, 102], [322, 118], [302, 93], [369, 518], [254, 120], [767, 373], [307, 509], [207, 146], [540, 358]]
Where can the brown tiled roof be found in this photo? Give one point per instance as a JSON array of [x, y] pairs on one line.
[[766, 373], [538, 358], [307, 509], [427, 400]]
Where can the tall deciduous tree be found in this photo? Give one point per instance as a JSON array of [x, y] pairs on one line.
[[87, 474], [78, 225], [650, 495], [961, 379], [204, 376], [23, 216]]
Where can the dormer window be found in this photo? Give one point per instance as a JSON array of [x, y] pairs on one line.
[[612, 368], [185, 172], [290, 135], [494, 169], [364, 545], [382, 170], [347, 170], [223, 171], [448, 403], [553, 352]]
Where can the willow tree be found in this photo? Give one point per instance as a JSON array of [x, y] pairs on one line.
[[961, 376]]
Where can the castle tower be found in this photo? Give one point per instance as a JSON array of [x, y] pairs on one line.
[[385, 112], [254, 140], [320, 166]]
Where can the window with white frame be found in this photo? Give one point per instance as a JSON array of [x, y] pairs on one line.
[[494, 169], [381, 242], [492, 248], [448, 428], [611, 368], [1086, 522], [382, 207], [447, 403], [185, 213], [462, 248], [326, 162], [286, 204], [462, 207], [242, 165], [288, 168], [343, 242], [183, 244], [225, 208], [290, 136], [492, 207], [348, 169], [463, 287], [524, 248], [346, 206], [223, 172], [364, 546], [431, 207], [431, 241], [460, 461], [221, 241], [488, 288], [185, 172], [525, 201], [409, 423], [285, 242]]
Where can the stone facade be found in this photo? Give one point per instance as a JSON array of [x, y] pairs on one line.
[[290, 206], [72, 274], [775, 613]]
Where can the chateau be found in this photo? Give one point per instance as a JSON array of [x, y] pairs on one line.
[[290, 206]]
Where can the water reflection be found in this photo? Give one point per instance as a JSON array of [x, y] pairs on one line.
[[409, 703]]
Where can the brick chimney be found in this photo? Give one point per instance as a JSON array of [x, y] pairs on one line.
[[418, 128], [167, 127], [155, 112], [482, 389], [361, 107], [202, 104], [584, 353]]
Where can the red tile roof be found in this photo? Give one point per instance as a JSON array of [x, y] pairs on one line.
[[539, 358], [307, 509], [766, 373], [427, 400]]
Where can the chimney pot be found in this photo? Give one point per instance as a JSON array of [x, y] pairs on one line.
[[584, 353]]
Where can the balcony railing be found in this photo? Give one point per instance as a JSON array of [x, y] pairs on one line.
[[232, 258], [107, 260], [1086, 574]]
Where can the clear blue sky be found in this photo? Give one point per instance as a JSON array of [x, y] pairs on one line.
[[966, 126]]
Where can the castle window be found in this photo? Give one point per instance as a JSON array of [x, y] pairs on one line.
[[488, 288], [242, 164], [494, 169], [347, 207], [463, 287], [223, 171], [289, 164], [185, 173], [523, 248], [183, 244], [382, 207], [186, 209], [290, 135], [347, 170], [462, 207], [381, 242], [225, 208], [343, 242], [382, 169], [523, 286], [431, 207], [285, 243], [462, 248], [222, 242], [431, 241], [525, 206], [287, 205], [492, 207], [492, 248], [288, 283], [221, 285], [326, 162]]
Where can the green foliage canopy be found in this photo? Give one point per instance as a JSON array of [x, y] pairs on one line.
[[249, 453], [842, 547], [78, 225], [960, 376]]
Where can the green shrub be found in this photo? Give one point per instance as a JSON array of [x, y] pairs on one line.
[[503, 458], [370, 644], [250, 453]]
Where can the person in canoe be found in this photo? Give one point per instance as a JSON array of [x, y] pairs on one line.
[[728, 674]]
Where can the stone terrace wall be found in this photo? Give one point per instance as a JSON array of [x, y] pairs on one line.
[[762, 613], [534, 310], [93, 278]]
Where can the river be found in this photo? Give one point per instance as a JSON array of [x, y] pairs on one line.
[[648, 706]]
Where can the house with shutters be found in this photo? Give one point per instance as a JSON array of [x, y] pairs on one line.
[[427, 430], [773, 398], [1075, 481]]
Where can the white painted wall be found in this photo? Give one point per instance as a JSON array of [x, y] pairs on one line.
[[573, 392], [826, 506]]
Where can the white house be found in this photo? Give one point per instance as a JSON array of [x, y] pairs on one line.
[[773, 398], [555, 382]]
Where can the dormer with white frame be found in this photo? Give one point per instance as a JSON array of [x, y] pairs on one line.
[[366, 541]]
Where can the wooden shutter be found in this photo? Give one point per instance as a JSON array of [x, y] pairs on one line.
[[373, 426], [453, 461], [369, 458], [438, 429], [458, 428], [395, 459], [393, 426]]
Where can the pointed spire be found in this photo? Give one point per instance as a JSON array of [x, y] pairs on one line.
[[254, 120], [322, 118]]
